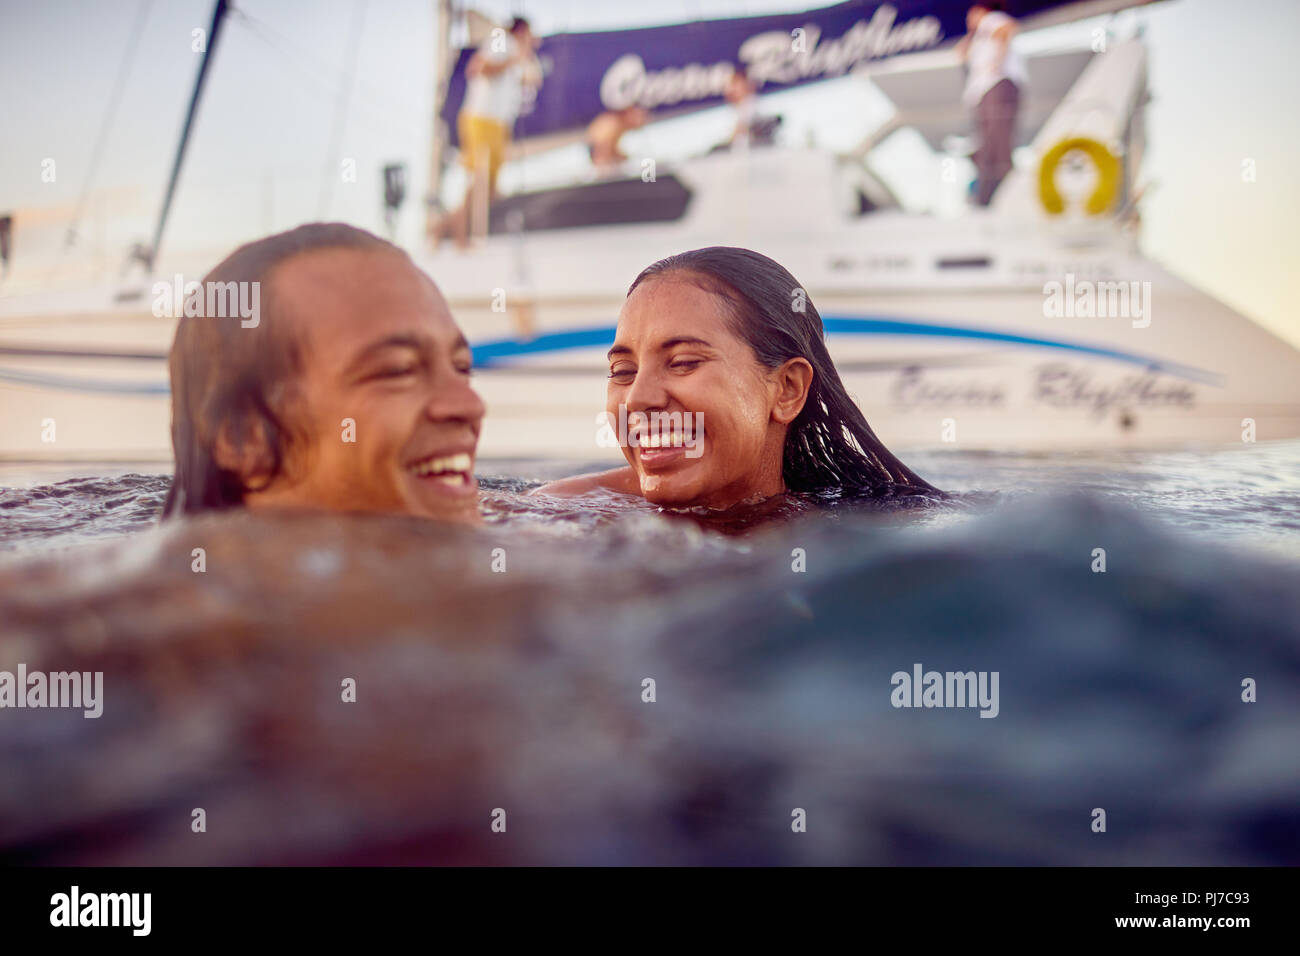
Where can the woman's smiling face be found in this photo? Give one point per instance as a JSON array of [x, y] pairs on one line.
[[675, 353]]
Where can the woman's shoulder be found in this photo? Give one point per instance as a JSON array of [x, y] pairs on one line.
[[622, 480]]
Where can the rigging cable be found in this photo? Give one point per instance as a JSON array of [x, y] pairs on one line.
[[341, 113], [115, 98], [97, 153], [149, 255], [325, 75]]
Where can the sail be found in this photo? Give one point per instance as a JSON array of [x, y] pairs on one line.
[[686, 65]]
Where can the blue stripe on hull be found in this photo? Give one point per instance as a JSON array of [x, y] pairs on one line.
[[849, 325], [72, 383], [499, 352]]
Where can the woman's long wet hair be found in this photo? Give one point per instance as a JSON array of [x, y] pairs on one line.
[[829, 448], [232, 383]]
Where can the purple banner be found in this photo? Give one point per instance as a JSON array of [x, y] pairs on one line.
[[686, 65]]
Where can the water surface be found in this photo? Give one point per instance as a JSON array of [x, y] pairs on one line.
[[505, 667]]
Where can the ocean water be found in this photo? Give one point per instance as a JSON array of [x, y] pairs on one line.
[[1247, 496], [634, 687]]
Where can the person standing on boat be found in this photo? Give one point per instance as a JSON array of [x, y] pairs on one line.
[[605, 132], [742, 94], [498, 74], [995, 77]]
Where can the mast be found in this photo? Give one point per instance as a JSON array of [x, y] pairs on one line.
[[441, 74], [150, 255]]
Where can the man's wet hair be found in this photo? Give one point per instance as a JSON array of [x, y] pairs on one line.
[[232, 384], [519, 23]]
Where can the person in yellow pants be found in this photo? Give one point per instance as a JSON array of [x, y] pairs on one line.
[[483, 143], [498, 73]]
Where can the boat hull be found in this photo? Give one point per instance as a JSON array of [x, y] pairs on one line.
[[977, 370]]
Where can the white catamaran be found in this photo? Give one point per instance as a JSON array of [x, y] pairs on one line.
[[1032, 324]]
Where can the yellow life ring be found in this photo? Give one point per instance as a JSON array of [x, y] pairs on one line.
[[1108, 169]]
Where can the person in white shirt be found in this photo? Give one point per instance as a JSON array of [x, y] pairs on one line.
[[499, 74], [995, 79], [741, 93]]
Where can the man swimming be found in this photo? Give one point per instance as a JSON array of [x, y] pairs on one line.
[[349, 391]]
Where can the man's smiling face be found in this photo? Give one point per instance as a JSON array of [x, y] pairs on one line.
[[383, 414]]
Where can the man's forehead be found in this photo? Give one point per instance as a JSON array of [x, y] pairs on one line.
[[356, 274], [338, 298]]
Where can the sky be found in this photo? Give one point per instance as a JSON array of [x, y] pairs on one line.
[[278, 117]]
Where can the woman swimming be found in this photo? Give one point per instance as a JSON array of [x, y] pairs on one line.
[[723, 392]]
